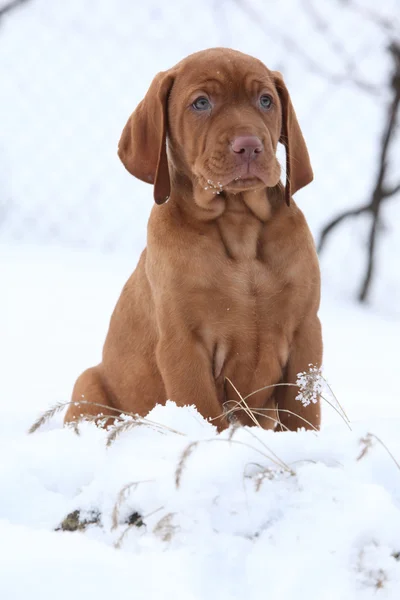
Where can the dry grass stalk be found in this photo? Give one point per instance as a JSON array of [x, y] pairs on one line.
[[48, 414], [336, 400], [135, 525], [233, 429], [290, 412], [278, 460], [100, 420], [137, 421], [116, 430], [340, 412], [121, 498], [165, 528], [74, 425], [269, 474], [121, 538], [189, 449], [268, 387], [260, 412], [367, 444], [185, 455], [244, 404]]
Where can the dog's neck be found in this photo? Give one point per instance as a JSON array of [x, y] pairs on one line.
[[202, 201], [238, 220]]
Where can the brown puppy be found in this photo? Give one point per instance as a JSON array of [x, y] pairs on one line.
[[228, 288]]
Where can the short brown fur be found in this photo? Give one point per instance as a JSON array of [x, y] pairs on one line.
[[228, 287]]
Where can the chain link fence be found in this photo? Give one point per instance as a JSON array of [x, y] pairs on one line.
[[72, 72]]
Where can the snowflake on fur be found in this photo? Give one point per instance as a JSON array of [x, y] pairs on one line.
[[310, 384]]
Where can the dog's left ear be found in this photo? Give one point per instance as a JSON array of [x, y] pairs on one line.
[[143, 144], [298, 167]]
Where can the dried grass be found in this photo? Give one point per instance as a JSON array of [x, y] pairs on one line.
[[123, 493], [272, 457], [165, 528], [128, 419], [135, 525], [367, 443]]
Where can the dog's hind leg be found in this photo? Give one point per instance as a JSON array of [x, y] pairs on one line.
[[90, 398]]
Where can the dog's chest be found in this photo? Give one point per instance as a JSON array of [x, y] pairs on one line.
[[246, 320], [240, 234], [247, 280]]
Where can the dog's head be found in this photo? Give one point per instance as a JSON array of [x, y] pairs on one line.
[[221, 113]]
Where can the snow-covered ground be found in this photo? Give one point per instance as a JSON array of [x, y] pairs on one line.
[[264, 515]]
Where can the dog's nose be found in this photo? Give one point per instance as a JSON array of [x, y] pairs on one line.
[[249, 146]]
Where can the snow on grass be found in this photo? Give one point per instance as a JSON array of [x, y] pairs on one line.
[[222, 520]]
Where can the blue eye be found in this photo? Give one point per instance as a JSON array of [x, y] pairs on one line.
[[265, 101], [201, 103]]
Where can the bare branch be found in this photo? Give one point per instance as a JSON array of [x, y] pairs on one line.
[[391, 191], [380, 192], [11, 6], [337, 220]]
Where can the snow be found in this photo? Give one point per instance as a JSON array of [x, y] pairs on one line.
[[327, 519], [288, 515], [328, 525], [242, 514]]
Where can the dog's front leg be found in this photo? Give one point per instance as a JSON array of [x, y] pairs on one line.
[[306, 350], [186, 370]]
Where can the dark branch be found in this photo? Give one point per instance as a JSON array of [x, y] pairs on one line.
[[355, 212], [391, 191], [11, 6], [389, 130], [380, 192]]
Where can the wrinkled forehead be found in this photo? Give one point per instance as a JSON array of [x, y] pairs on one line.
[[222, 70]]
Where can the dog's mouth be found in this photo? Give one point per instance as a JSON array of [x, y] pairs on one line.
[[244, 183], [238, 183], [247, 177]]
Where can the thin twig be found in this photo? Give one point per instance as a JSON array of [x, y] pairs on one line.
[[338, 412], [290, 412], [386, 448], [6, 8]]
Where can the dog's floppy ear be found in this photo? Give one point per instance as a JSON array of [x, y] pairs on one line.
[[298, 167], [143, 144]]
